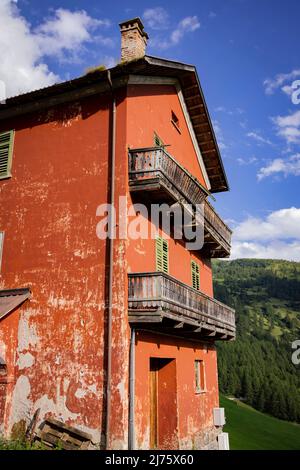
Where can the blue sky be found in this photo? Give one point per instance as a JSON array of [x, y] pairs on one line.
[[247, 56]]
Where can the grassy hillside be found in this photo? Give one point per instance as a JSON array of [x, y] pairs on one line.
[[258, 365], [252, 430]]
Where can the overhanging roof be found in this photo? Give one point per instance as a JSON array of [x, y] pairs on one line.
[[96, 82], [10, 299]]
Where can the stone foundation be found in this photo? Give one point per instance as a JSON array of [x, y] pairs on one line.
[[207, 439]]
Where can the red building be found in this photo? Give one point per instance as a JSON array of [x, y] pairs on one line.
[[115, 337]]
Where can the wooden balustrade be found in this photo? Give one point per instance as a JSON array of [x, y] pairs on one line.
[[153, 170], [158, 299]]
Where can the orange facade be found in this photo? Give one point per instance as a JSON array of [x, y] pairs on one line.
[[55, 344]]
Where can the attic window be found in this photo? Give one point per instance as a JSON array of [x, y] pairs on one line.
[[175, 121], [6, 149], [199, 376]]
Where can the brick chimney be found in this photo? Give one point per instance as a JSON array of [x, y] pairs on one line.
[[133, 40]]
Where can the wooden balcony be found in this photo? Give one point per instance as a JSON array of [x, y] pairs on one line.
[[217, 237], [154, 175], [155, 170], [157, 301]]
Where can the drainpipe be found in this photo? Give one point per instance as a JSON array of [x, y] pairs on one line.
[[111, 224], [131, 434]]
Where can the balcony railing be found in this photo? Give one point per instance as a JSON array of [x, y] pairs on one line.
[[158, 300], [154, 166], [153, 170], [217, 232]]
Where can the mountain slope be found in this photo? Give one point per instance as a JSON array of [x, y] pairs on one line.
[[258, 365], [252, 430]]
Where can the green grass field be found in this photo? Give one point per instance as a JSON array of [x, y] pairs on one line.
[[251, 430]]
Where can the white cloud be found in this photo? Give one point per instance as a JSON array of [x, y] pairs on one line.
[[272, 84], [281, 224], [23, 49], [244, 123], [156, 18], [212, 15], [291, 166], [276, 236], [219, 134], [274, 250], [21, 68], [292, 120], [247, 161], [222, 109], [259, 138], [288, 127], [188, 24], [66, 31], [288, 89]]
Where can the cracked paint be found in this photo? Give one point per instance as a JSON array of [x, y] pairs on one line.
[[25, 360]]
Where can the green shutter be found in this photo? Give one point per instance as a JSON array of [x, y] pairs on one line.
[[6, 149], [195, 275], [162, 255]]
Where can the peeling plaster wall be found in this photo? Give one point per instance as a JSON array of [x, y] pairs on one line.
[[121, 329], [54, 344]]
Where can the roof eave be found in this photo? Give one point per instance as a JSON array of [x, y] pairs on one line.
[[96, 82]]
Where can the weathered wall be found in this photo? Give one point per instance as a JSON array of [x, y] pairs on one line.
[[55, 344], [56, 350], [195, 410], [121, 329]]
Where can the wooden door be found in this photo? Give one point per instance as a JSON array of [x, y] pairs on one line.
[[163, 404]]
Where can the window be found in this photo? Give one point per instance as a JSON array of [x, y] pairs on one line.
[[162, 255], [175, 121], [199, 376], [195, 275], [1, 246], [157, 141], [6, 149]]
